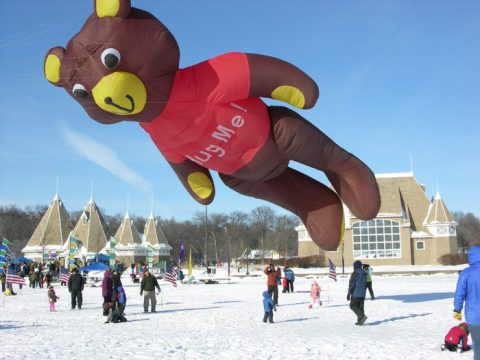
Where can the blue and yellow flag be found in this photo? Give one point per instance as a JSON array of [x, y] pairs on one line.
[[3, 253], [72, 252]]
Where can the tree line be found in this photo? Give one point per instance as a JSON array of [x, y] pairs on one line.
[[220, 234]]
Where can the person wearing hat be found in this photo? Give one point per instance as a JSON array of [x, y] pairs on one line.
[[357, 288], [107, 287], [468, 293], [147, 289], [52, 298], [75, 287]]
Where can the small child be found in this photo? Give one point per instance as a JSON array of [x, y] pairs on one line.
[[114, 314], [457, 338], [121, 299], [52, 298], [269, 307], [315, 294], [284, 284]]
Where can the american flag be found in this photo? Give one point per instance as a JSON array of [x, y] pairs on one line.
[[13, 278], [172, 276], [333, 271], [64, 275]]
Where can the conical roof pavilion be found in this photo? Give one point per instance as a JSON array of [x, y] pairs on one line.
[[127, 233], [153, 232], [90, 229], [54, 227]]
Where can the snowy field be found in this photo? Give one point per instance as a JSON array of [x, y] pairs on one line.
[[408, 320]]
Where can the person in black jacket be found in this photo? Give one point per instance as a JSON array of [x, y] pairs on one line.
[[75, 287], [147, 287], [357, 288]]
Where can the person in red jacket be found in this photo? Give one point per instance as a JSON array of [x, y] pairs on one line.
[[272, 275], [457, 338]]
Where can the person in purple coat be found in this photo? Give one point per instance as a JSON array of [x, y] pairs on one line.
[[107, 288]]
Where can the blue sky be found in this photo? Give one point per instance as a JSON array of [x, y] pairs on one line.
[[399, 83]]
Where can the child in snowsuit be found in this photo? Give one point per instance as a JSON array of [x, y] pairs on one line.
[[114, 314], [120, 298], [457, 338], [269, 307], [315, 294], [52, 298]]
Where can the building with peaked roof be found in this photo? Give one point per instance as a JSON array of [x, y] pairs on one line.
[[51, 233], [154, 236], [410, 229], [130, 248], [90, 231]]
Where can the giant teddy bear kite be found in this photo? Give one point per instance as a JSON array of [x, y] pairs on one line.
[[123, 65]]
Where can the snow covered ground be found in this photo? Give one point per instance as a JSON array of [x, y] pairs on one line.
[[408, 320]]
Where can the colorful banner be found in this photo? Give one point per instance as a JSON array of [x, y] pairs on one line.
[[112, 253], [72, 252], [150, 255], [190, 270], [180, 254], [3, 254]]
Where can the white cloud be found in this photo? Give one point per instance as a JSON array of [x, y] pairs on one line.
[[105, 157]]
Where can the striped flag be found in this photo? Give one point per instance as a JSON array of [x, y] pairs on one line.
[[13, 278], [64, 275], [73, 247], [172, 276], [333, 271], [3, 253]]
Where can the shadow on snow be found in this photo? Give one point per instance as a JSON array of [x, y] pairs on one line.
[[413, 298], [396, 318]]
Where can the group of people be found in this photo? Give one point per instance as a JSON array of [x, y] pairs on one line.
[[360, 281], [274, 279]]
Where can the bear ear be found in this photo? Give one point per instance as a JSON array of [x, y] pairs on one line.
[[112, 8], [52, 65]]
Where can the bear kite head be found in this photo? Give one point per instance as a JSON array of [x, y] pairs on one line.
[[120, 66]]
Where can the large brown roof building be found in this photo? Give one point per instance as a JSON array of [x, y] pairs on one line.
[[410, 229]]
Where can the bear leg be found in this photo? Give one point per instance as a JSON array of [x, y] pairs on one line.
[[319, 208], [301, 141]]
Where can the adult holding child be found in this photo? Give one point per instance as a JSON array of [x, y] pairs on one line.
[[468, 292]]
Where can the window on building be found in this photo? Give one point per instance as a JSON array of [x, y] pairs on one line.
[[374, 239], [420, 245]]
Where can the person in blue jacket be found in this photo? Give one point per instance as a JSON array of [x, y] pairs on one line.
[[468, 292], [357, 288], [269, 307]]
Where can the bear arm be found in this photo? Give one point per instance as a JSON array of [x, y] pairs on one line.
[[196, 179], [277, 79]]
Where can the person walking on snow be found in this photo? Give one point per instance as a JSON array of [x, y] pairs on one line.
[[75, 287], [315, 294], [468, 292], [368, 270], [289, 274], [271, 280], [357, 288], [52, 298], [107, 286], [147, 287], [268, 307]]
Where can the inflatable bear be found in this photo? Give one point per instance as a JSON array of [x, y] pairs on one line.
[[123, 65]]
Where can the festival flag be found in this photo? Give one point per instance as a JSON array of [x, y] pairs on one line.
[[333, 271], [180, 253], [72, 252], [64, 275], [3, 254], [13, 278], [172, 276], [150, 251], [112, 253], [190, 270]]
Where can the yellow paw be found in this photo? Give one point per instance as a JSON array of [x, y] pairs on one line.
[[200, 184], [290, 95]]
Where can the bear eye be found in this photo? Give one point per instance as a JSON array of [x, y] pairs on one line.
[[110, 57], [79, 91]]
